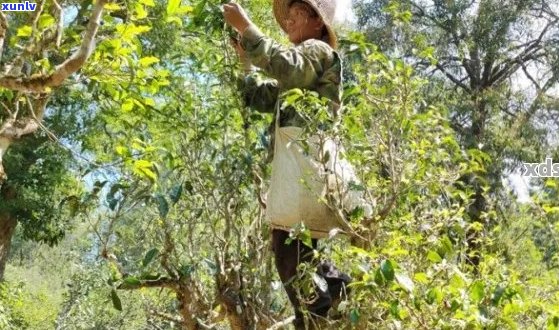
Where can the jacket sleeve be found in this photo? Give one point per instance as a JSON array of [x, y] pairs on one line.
[[258, 92], [292, 67]]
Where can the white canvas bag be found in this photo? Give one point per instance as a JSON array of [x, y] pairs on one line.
[[300, 183]]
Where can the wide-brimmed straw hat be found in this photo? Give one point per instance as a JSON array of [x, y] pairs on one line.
[[326, 9]]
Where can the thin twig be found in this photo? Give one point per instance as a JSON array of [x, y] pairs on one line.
[[166, 316], [36, 15], [282, 323], [60, 25]]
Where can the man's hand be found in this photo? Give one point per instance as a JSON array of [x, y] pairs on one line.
[[236, 16]]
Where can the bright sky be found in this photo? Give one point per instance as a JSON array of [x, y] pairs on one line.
[[521, 185], [344, 12]]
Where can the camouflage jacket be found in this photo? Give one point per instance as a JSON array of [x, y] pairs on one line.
[[311, 65]]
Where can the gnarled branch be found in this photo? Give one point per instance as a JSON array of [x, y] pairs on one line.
[[163, 282], [13, 128], [453, 78], [41, 83]]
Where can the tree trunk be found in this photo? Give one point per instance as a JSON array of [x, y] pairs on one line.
[[473, 237], [185, 309], [479, 205], [8, 225]]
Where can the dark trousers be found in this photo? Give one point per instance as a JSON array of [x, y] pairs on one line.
[[288, 257]]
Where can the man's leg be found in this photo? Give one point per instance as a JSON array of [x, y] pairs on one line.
[[287, 258]]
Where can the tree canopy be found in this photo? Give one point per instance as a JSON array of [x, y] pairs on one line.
[[133, 177]]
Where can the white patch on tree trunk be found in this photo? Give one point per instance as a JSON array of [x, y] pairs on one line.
[[4, 144]]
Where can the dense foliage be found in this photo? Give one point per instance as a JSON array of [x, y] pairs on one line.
[[153, 187]]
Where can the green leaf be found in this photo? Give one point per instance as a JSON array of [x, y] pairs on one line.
[[456, 282], [511, 308], [112, 202], [354, 316], [356, 214], [131, 280], [445, 247], [455, 305], [172, 6], [395, 309], [175, 193], [553, 323], [117, 304], [111, 6], [434, 256], [149, 256], [147, 61], [421, 278], [184, 10], [379, 279], [130, 31], [144, 168], [162, 205], [149, 3], [387, 269], [199, 8], [149, 101], [292, 98], [434, 295], [477, 291], [128, 105], [45, 21], [122, 151], [141, 12], [174, 19], [497, 295], [417, 303], [306, 238], [24, 31], [8, 94], [550, 209]]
